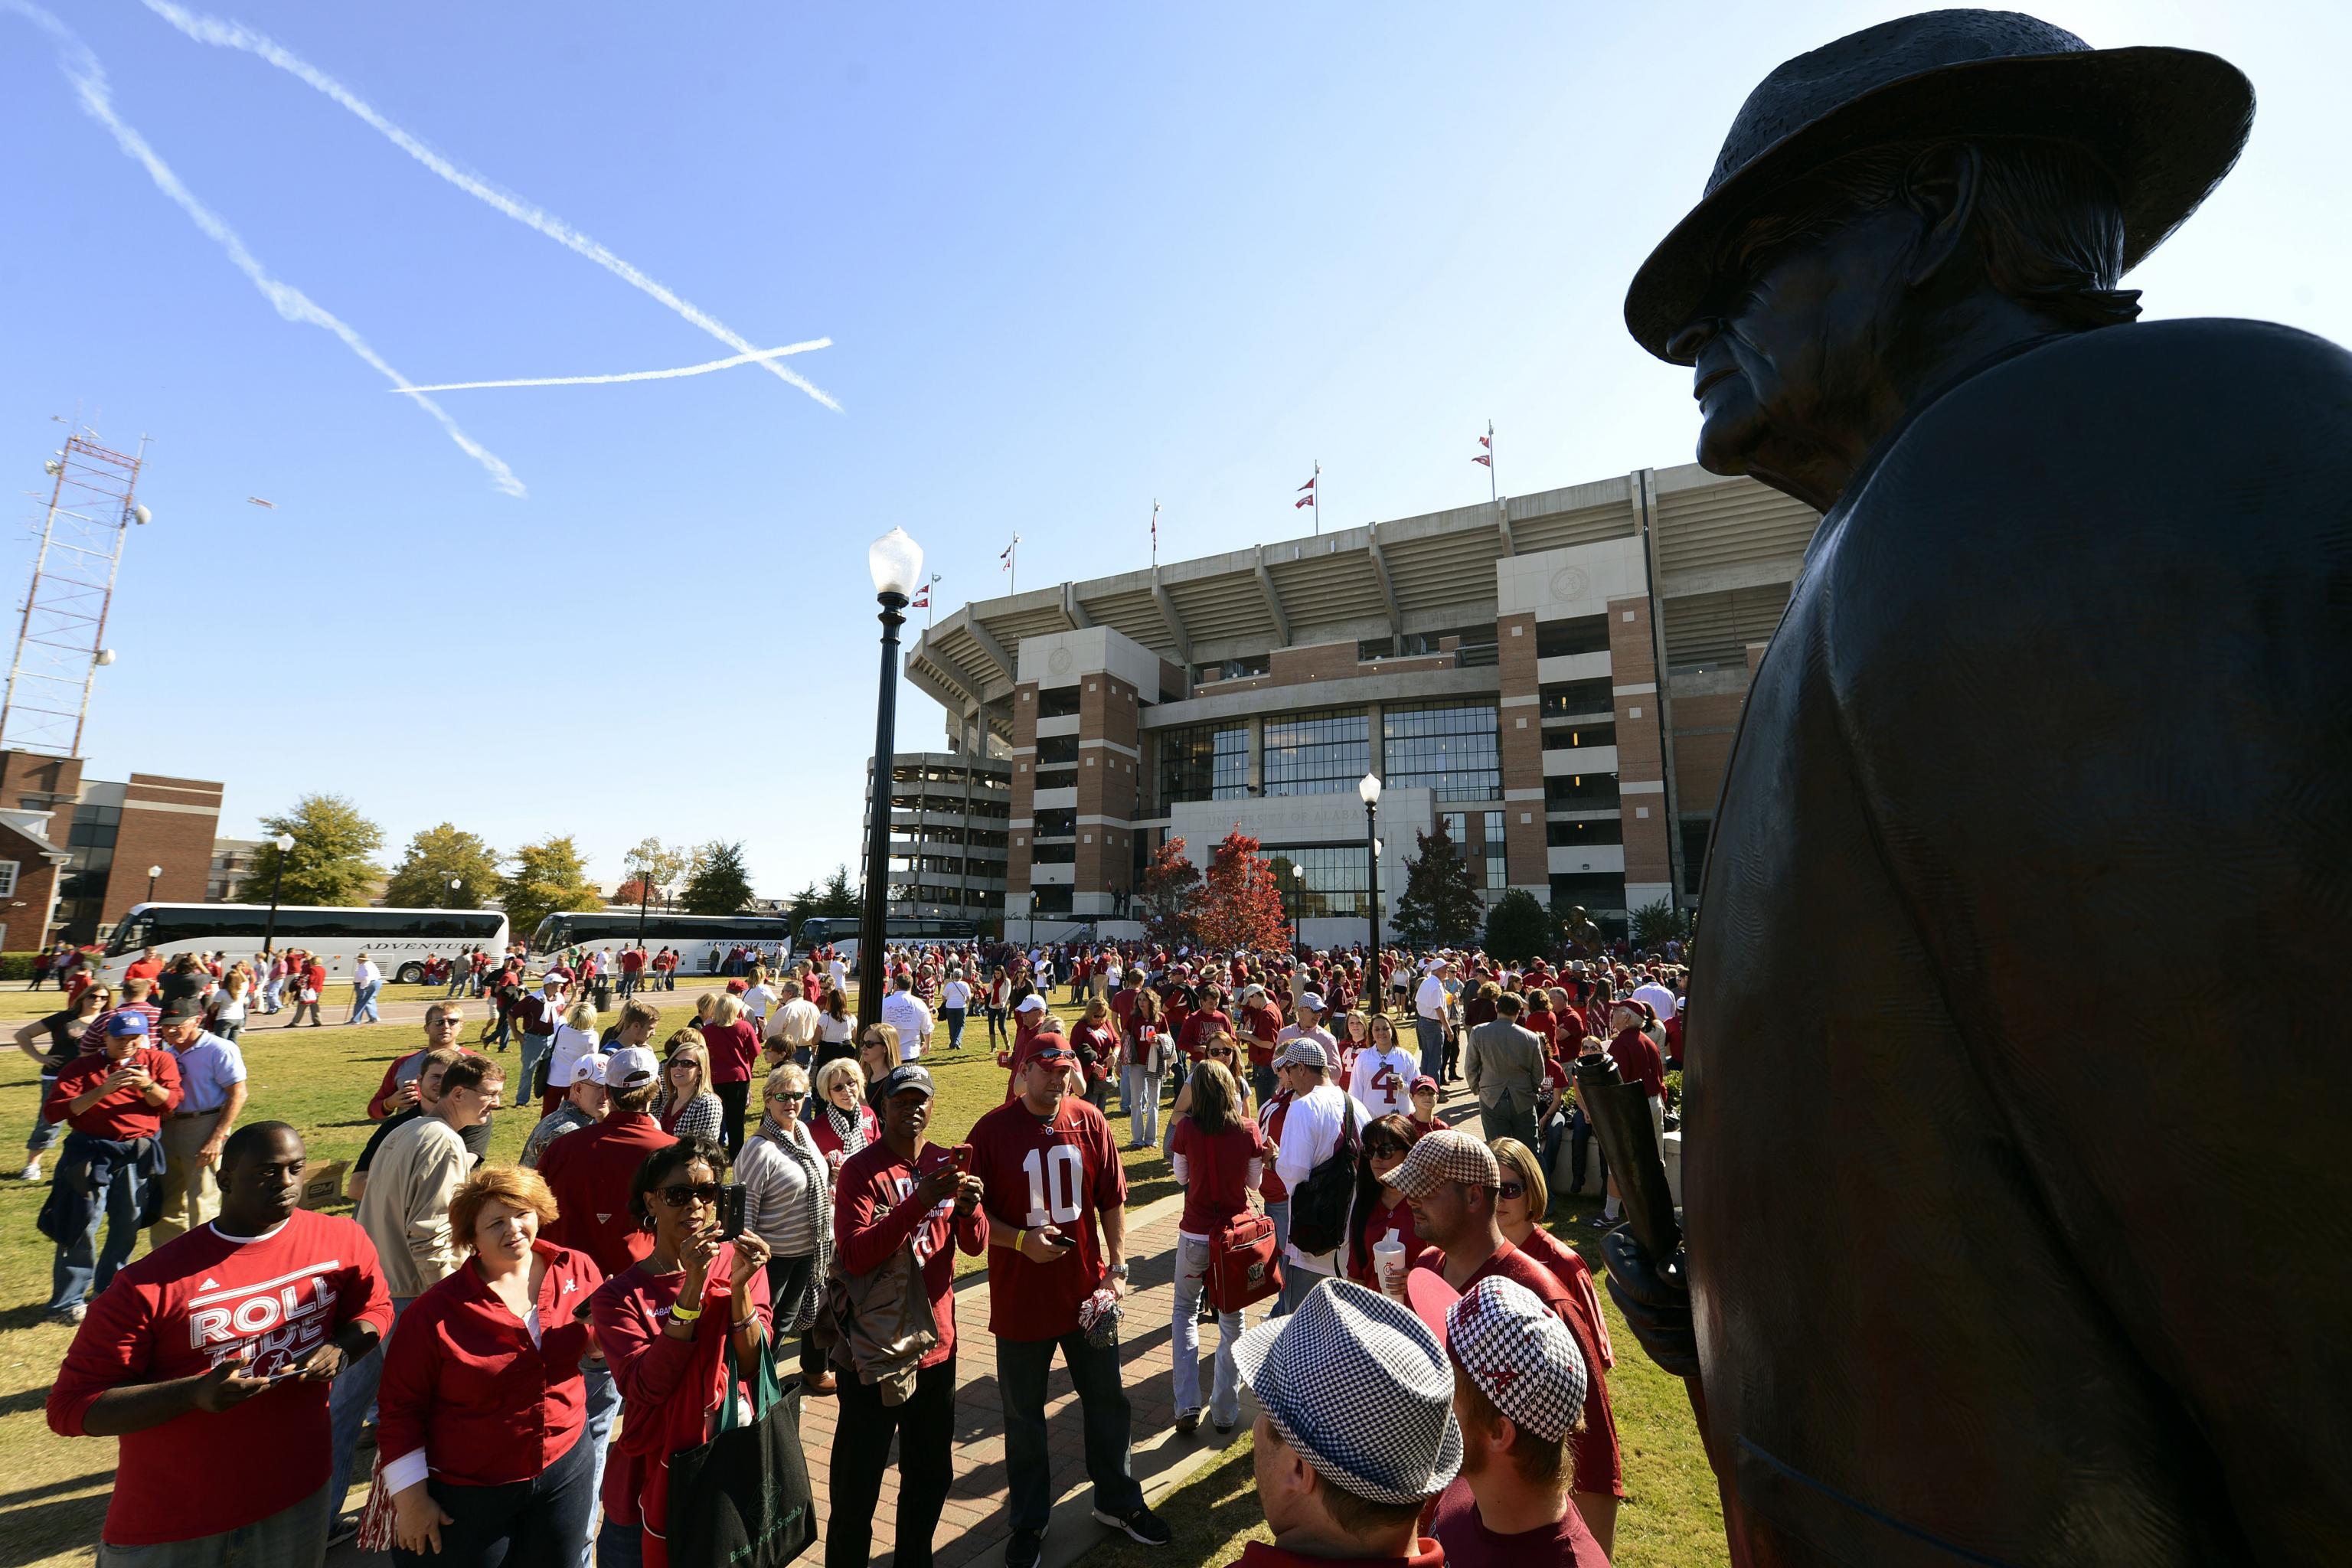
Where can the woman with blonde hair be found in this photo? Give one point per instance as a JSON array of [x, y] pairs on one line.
[[877, 1055], [734, 1040], [788, 1204], [686, 1107], [1520, 1203], [481, 1416], [575, 1037], [844, 1122]]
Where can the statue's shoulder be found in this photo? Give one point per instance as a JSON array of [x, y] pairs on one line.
[[2188, 436]]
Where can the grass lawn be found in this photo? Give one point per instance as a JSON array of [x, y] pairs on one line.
[[54, 1492]]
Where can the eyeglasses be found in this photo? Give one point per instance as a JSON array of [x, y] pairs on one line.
[[683, 1193], [1511, 1190]]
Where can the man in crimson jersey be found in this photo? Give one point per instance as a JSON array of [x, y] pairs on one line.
[[210, 1358], [900, 1192], [1051, 1176]]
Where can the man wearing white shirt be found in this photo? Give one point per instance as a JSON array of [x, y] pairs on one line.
[[757, 999], [1661, 1000], [793, 1027], [905, 1011], [836, 970], [1311, 1129], [1429, 1006]]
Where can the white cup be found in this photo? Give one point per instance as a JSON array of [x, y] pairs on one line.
[[1388, 1265]]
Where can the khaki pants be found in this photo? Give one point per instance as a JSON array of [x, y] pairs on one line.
[[190, 1193]]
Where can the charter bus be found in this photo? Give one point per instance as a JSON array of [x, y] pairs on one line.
[[841, 932], [398, 941], [700, 940]]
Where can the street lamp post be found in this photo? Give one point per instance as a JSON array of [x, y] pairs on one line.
[[645, 891], [896, 565], [1367, 790], [153, 872], [282, 843]]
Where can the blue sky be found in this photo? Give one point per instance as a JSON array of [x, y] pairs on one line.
[[1072, 259]]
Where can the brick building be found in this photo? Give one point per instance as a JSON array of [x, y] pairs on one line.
[[1558, 679], [949, 837], [95, 840]]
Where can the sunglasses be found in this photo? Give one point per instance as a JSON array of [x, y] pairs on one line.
[[1511, 1190], [1378, 1149], [681, 1194], [789, 1094], [1219, 1051]]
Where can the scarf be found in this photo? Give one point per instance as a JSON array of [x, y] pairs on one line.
[[850, 1126], [798, 1149]]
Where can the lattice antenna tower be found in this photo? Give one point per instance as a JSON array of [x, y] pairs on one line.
[[61, 640]]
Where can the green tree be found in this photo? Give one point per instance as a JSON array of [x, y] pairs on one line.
[[658, 865], [721, 883], [548, 876], [840, 897], [437, 857], [1654, 924], [1440, 906], [1518, 928], [801, 905], [328, 863]]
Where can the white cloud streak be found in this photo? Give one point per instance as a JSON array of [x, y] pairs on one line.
[[756, 356], [81, 68], [227, 35]]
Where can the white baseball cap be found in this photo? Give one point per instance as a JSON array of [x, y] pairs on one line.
[[1031, 1002], [631, 1067], [588, 1068]]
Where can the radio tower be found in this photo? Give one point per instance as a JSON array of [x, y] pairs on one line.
[[61, 643]]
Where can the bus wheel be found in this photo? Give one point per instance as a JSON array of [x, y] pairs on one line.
[[411, 975]]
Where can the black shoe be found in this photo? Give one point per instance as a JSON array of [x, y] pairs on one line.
[[1224, 1429], [1143, 1526], [346, 1528], [1024, 1547], [1187, 1423]]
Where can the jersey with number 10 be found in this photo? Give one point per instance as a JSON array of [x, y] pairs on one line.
[[1060, 1173]]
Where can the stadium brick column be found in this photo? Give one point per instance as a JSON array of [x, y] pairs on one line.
[[1641, 754], [1024, 799], [166, 822], [1108, 780], [1519, 715]]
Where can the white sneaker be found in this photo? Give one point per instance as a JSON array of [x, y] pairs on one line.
[[31, 1173]]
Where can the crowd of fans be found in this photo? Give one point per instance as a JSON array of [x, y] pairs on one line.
[[532, 1344]]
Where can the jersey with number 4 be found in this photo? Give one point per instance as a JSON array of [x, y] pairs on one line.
[[1382, 1081], [1060, 1173]]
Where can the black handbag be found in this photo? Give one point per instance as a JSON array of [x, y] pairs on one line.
[[741, 1499], [1319, 1206]]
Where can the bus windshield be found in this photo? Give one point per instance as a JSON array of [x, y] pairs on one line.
[[132, 934]]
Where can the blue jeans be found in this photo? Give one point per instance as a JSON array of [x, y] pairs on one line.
[[1433, 1045], [604, 1403], [293, 1537], [519, 1523], [81, 1268], [349, 1399], [1297, 1283], [621, 1546], [45, 1132], [1225, 1394], [954, 1016], [1141, 1092], [536, 1048], [363, 1005], [1021, 1366]]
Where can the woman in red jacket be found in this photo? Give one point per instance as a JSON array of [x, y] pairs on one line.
[[734, 1043], [482, 1410], [665, 1326]]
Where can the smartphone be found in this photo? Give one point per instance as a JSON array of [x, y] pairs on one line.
[[730, 1211], [1061, 1241], [961, 1155]]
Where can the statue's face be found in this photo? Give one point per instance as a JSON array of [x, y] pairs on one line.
[[1784, 353]]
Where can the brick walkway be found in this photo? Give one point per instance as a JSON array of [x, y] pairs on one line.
[[973, 1527]]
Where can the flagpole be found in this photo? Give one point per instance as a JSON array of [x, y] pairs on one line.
[[1318, 498], [1492, 493], [1155, 534]]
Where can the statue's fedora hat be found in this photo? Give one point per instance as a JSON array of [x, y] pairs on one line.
[[2166, 123]]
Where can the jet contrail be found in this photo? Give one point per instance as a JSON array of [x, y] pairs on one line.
[[236, 35], [81, 67], [756, 356]]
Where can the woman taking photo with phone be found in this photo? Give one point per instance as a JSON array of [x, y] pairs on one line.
[[665, 1326], [481, 1413]]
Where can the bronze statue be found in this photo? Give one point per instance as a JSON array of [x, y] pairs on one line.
[[2017, 1227]]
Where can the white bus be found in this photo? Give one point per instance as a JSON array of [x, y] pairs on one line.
[[841, 932], [398, 941], [702, 941]]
